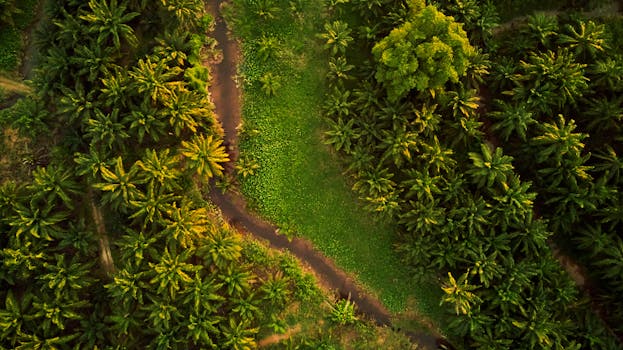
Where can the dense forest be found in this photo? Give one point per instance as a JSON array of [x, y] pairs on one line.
[[107, 242], [493, 145]]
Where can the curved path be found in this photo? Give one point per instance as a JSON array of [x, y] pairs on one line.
[[226, 97]]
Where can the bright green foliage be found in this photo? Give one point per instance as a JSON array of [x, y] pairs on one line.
[[489, 167], [424, 53], [205, 155], [108, 19], [343, 312], [336, 37], [459, 294]]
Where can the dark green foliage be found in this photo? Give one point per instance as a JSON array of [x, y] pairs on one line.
[[484, 210]]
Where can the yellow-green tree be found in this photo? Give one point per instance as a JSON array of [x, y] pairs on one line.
[[423, 53]]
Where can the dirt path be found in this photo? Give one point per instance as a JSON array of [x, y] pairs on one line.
[[227, 101]]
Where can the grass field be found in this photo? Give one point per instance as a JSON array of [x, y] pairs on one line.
[[300, 185]]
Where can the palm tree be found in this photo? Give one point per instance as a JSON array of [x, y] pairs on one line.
[[489, 167], [136, 246], [186, 110], [106, 130], [162, 313], [247, 308], [246, 166], [608, 73], [237, 280], [267, 48], [203, 329], [557, 140], [437, 157], [398, 145], [156, 80], [270, 83], [202, 295], [127, 287], [172, 47], [186, 12], [52, 183], [108, 20], [90, 164], [604, 114], [514, 202], [587, 40], [145, 120], [426, 121], [185, 225], [265, 9], [375, 182], [422, 216], [541, 29], [275, 289], [93, 61], [237, 335], [77, 105], [221, 247], [610, 164], [152, 206], [512, 119], [421, 185], [64, 278], [338, 70], [120, 186], [14, 315], [205, 155], [342, 135], [38, 220], [338, 103], [114, 90], [336, 36], [464, 102], [459, 293], [172, 273], [159, 169]]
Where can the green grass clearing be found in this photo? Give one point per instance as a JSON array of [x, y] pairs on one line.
[[300, 184]]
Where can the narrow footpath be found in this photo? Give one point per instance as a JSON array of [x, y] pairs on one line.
[[227, 100]]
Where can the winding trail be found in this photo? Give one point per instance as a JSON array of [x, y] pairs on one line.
[[227, 100]]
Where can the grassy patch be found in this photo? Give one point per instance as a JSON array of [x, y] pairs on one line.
[[300, 184], [306, 322]]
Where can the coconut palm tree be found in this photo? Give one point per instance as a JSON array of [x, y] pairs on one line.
[[338, 70], [512, 119], [159, 169], [541, 29], [63, 278], [398, 145], [172, 273], [336, 37], [202, 296], [120, 187], [145, 120], [185, 12], [459, 293], [151, 207], [420, 184], [186, 111], [586, 40], [106, 130], [237, 280], [342, 135], [155, 79], [205, 155], [489, 168], [238, 335], [203, 329], [608, 73], [52, 183], [108, 20], [185, 226], [271, 83], [557, 140], [437, 157], [38, 220], [267, 48], [127, 287], [338, 103], [221, 247]]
